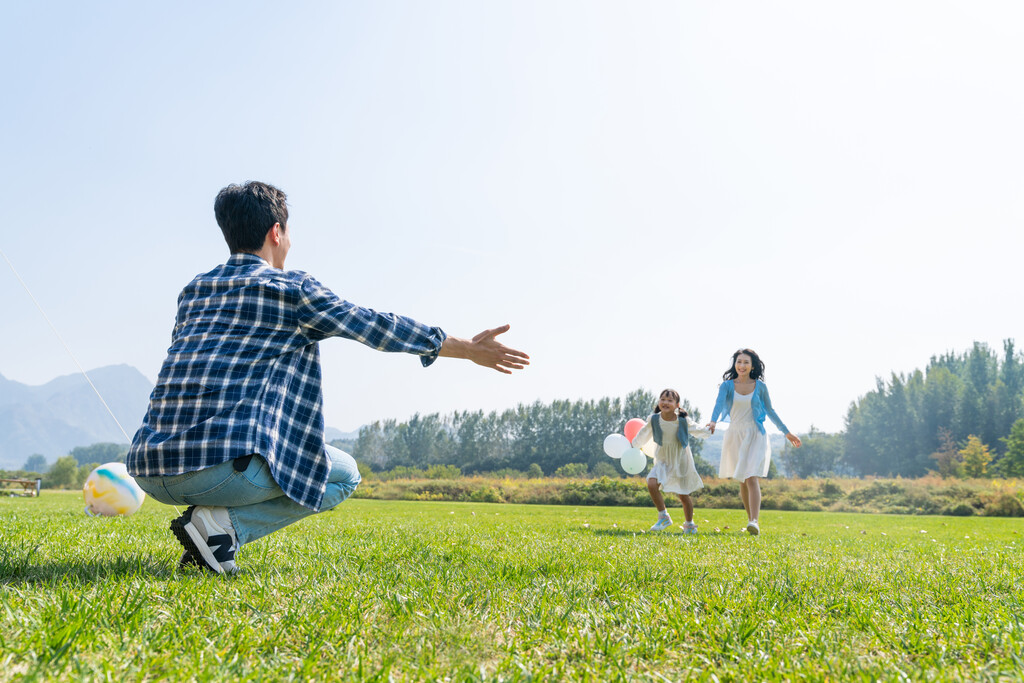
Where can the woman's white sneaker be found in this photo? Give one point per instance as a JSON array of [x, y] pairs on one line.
[[752, 528]]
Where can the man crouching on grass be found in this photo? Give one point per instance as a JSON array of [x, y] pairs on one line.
[[234, 428]]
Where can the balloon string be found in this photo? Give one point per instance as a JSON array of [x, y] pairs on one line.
[[66, 347]]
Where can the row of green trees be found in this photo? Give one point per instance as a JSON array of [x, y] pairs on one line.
[[71, 470], [549, 436], [962, 416], [64, 473], [81, 455]]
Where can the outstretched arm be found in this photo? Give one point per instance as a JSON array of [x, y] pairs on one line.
[[485, 350], [774, 417], [698, 431], [644, 436]]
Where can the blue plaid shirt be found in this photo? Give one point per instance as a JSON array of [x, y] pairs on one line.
[[242, 374]]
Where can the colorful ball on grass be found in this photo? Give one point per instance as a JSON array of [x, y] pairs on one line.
[[109, 491], [633, 461]]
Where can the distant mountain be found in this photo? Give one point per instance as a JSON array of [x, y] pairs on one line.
[[64, 413], [54, 418], [332, 434]]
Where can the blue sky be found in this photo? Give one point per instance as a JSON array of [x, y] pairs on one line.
[[638, 188]]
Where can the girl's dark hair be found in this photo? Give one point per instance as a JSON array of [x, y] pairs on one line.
[[756, 365], [674, 394]]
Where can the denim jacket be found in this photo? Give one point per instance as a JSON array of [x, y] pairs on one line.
[[683, 433], [760, 405]]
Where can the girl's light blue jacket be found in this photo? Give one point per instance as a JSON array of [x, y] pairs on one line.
[[760, 405]]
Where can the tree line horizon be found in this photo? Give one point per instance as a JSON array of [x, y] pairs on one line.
[[961, 416]]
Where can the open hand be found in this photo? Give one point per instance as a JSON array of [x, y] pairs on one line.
[[485, 350]]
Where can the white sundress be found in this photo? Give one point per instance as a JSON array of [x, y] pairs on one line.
[[746, 452], [673, 464]]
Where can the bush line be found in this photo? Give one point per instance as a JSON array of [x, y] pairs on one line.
[[924, 496]]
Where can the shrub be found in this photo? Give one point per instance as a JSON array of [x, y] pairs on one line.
[[1005, 505], [443, 472], [959, 510], [486, 494], [365, 471], [787, 503], [401, 472], [877, 491], [572, 470], [63, 473], [509, 473], [83, 473], [365, 490], [830, 489], [726, 489]]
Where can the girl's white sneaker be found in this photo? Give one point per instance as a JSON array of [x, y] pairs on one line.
[[689, 528], [752, 528], [662, 523]]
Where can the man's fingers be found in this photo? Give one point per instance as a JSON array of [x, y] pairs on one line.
[[516, 357]]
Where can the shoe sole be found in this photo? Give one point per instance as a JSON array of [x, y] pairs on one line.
[[753, 530], [190, 538], [189, 560]]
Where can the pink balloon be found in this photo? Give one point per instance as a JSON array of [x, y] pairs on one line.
[[633, 428]]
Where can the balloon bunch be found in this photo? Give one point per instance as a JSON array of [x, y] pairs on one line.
[[618, 446]]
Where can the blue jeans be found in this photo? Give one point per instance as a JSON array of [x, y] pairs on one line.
[[256, 504]]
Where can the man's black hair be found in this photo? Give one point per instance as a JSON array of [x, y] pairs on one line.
[[246, 212]]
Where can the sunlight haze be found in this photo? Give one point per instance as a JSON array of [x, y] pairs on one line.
[[639, 189]]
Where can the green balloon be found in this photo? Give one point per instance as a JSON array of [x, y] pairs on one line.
[[634, 461]]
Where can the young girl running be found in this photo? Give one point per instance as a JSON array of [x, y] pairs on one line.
[[743, 401], [674, 472]]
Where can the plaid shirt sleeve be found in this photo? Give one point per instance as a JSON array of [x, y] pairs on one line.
[[323, 314]]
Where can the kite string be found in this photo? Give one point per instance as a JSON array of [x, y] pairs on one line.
[[66, 347]]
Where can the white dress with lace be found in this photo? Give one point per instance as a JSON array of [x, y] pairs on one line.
[[673, 464], [746, 452]]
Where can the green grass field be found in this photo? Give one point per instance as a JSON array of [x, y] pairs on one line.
[[453, 591]]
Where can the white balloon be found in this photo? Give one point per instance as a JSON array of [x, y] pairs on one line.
[[615, 445], [634, 461]]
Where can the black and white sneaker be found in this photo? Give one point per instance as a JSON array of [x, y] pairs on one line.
[[207, 535]]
